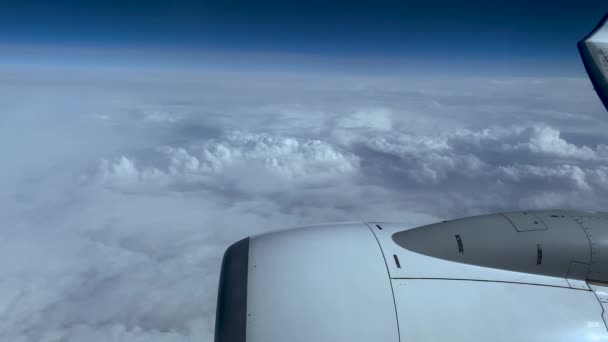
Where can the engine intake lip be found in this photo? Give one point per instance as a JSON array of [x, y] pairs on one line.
[[231, 311]]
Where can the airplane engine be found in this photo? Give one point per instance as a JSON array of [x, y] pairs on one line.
[[524, 276]]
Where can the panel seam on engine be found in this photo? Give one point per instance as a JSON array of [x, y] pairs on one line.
[[490, 281], [603, 310], [580, 224], [388, 272]]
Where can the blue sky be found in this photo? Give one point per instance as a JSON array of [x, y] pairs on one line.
[[517, 37]]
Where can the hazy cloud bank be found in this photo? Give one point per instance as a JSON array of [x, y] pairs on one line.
[[121, 190]]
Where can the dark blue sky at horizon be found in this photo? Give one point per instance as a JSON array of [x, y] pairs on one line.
[[519, 34]]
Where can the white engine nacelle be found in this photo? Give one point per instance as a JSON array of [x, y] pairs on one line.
[[526, 276]]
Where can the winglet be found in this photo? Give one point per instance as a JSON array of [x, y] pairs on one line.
[[594, 52]]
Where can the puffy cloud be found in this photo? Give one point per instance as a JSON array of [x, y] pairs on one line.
[[120, 197], [547, 140], [566, 176], [124, 174], [513, 154], [246, 162]]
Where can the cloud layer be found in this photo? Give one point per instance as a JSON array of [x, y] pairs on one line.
[[122, 190]]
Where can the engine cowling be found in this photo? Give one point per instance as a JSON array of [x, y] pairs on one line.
[[516, 276]]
